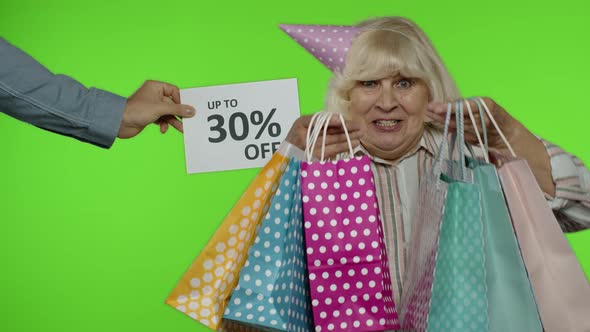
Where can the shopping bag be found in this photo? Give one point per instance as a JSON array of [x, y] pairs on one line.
[[458, 300], [272, 290], [511, 303], [346, 256], [204, 289], [423, 247], [559, 284], [561, 290]]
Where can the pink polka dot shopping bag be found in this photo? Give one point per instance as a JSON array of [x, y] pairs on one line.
[[347, 262]]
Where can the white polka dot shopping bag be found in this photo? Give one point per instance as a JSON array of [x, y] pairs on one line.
[[203, 291], [445, 288], [273, 291], [346, 257]]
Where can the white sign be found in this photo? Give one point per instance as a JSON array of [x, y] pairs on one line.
[[238, 125]]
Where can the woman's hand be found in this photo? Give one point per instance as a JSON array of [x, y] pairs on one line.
[[523, 142], [335, 138], [509, 126]]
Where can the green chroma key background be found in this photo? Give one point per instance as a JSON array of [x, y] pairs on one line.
[[94, 240]]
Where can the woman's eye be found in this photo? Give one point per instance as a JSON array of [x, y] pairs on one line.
[[404, 83], [369, 84]]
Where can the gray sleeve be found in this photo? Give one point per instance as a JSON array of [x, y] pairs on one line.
[[58, 103]]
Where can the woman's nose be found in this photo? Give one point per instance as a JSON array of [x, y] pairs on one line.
[[387, 100]]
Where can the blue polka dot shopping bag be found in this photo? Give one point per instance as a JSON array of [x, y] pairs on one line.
[[272, 290], [204, 289]]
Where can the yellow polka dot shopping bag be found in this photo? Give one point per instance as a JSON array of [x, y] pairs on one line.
[[204, 289], [273, 291]]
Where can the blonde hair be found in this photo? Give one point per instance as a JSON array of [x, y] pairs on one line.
[[388, 46]]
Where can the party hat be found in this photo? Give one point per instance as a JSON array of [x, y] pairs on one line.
[[328, 43]]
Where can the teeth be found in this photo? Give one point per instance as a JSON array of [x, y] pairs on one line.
[[387, 123]]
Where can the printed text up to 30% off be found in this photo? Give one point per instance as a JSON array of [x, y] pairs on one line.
[[239, 130]]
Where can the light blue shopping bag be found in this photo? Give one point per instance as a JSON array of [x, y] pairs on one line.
[[273, 290], [459, 297], [511, 303], [445, 286]]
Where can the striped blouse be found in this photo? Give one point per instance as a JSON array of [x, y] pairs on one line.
[[397, 192]]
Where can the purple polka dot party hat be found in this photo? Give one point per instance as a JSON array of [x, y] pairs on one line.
[[328, 43]]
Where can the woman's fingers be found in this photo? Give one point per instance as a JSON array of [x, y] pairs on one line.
[[335, 149], [338, 138], [437, 107], [335, 132], [336, 124], [468, 128], [335, 144], [332, 150], [441, 107], [437, 112]]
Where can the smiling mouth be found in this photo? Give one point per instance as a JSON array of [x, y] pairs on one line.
[[387, 123]]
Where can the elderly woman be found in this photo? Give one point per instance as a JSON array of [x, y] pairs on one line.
[[393, 89]]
